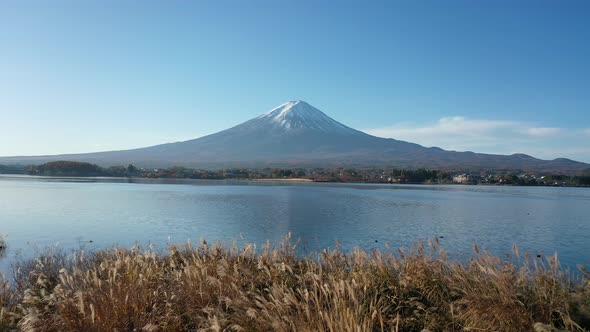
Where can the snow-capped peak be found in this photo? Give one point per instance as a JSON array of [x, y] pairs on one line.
[[301, 115], [282, 110]]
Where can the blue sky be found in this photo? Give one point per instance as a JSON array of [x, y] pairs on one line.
[[496, 77]]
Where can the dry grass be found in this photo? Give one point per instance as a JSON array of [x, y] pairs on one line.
[[211, 288]]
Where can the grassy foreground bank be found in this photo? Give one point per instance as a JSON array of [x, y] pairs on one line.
[[212, 288]]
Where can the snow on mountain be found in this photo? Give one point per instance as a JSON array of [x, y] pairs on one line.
[[301, 115]]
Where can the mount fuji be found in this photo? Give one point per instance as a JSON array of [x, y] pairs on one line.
[[296, 134]]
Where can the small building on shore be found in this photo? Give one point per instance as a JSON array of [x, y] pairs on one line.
[[462, 178]]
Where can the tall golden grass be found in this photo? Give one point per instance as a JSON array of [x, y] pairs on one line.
[[217, 288]]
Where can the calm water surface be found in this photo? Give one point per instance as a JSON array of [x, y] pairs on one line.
[[36, 212]]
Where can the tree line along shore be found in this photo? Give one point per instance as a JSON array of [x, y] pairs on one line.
[[374, 175]]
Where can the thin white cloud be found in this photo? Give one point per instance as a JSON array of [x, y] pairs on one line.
[[544, 131], [493, 136], [456, 126]]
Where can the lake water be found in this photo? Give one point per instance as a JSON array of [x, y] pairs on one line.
[[36, 212]]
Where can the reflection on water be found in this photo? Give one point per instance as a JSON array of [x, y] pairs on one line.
[[102, 212]]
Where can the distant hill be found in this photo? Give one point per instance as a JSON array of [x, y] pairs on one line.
[[66, 168], [12, 169], [296, 134]]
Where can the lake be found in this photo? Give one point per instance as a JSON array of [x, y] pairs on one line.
[[73, 213]]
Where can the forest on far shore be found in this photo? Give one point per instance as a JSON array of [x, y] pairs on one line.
[[374, 175]]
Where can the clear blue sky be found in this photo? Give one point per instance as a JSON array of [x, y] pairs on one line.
[[496, 76]]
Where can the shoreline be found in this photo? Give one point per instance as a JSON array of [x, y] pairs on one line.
[[281, 180], [295, 180]]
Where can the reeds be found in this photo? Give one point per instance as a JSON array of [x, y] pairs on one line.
[[214, 288]]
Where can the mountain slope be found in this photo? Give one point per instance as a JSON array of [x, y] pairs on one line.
[[298, 134]]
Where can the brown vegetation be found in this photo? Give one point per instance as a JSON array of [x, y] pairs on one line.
[[212, 288]]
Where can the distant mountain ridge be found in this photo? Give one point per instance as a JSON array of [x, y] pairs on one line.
[[296, 134]]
